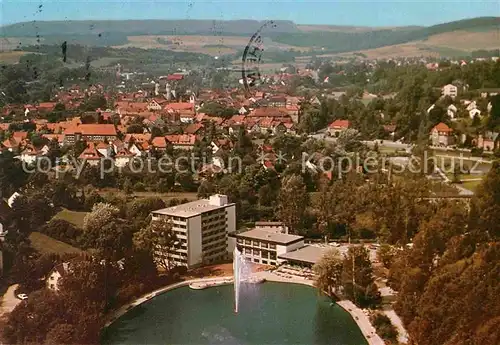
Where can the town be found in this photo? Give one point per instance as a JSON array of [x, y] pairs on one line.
[[374, 181]]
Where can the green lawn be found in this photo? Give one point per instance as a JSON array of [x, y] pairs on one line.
[[471, 185], [165, 196], [74, 217], [47, 245]]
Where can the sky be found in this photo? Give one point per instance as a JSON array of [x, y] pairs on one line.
[[331, 12]]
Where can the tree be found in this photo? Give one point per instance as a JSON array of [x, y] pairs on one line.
[[160, 240], [328, 272], [357, 278], [292, 202], [106, 233], [386, 254], [485, 208]]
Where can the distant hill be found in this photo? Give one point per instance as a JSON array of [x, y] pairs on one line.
[[344, 41], [143, 27], [229, 36]]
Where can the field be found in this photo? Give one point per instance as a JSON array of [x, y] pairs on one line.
[[10, 57], [456, 43], [74, 217], [165, 196], [212, 45], [46, 245]]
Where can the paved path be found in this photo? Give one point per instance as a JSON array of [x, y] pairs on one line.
[[9, 300], [363, 322], [396, 321]]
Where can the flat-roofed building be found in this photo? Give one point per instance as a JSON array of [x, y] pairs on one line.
[[305, 256], [264, 246], [202, 228]]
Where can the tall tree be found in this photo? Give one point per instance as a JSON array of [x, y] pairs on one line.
[[357, 278], [328, 272], [293, 200], [160, 240]]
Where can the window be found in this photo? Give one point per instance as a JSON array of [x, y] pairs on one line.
[[255, 243], [264, 262], [273, 255], [248, 251], [248, 242], [256, 260], [264, 245], [272, 246]]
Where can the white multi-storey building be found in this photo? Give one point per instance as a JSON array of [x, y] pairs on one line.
[[264, 246], [202, 228]]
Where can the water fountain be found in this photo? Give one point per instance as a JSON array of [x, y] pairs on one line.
[[238, 261]]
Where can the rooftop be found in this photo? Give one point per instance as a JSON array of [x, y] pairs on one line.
[[195, 208], [308, 254], [263, 235]]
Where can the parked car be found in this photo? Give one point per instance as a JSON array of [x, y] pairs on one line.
[[22, 296]]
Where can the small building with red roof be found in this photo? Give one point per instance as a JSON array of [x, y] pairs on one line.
[[337, 126], [442, 135]]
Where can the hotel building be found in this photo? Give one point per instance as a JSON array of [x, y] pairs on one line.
[[265, 244], [202, 228]]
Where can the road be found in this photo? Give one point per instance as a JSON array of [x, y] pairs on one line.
[[323, 135], [9, 300]]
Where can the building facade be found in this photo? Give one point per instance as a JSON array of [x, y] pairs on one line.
[[202, 228], [264, 246]]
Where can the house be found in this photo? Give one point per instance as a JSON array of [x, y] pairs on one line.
[[450, 90], [487, 141], [123, 158], [90, 132], [474, 112], [194, 128], [91, 155], [451, 111], [221, 144], [182, 141], [105, 149], [159, 143], [11, 144], [30, 154], [338, 126], [57, 273], [442, 135]]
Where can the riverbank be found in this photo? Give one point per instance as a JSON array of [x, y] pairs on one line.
[[356, 313]]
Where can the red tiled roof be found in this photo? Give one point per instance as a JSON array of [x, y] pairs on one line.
[[443, 127], [175, 77], [193, 128], [59, 137], [159, 142], [180, 106], [90, 153], [20, 135], [92, 129], [181, 139], [340, 124], [137, 138], [47, 105]]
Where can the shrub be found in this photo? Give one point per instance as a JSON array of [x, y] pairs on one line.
[[61, 230], [384, 327]]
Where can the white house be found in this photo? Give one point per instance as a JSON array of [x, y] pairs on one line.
[[474, 112], [452, 111], [472, 105], [12, 198], [450, 90], [57, 273]]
